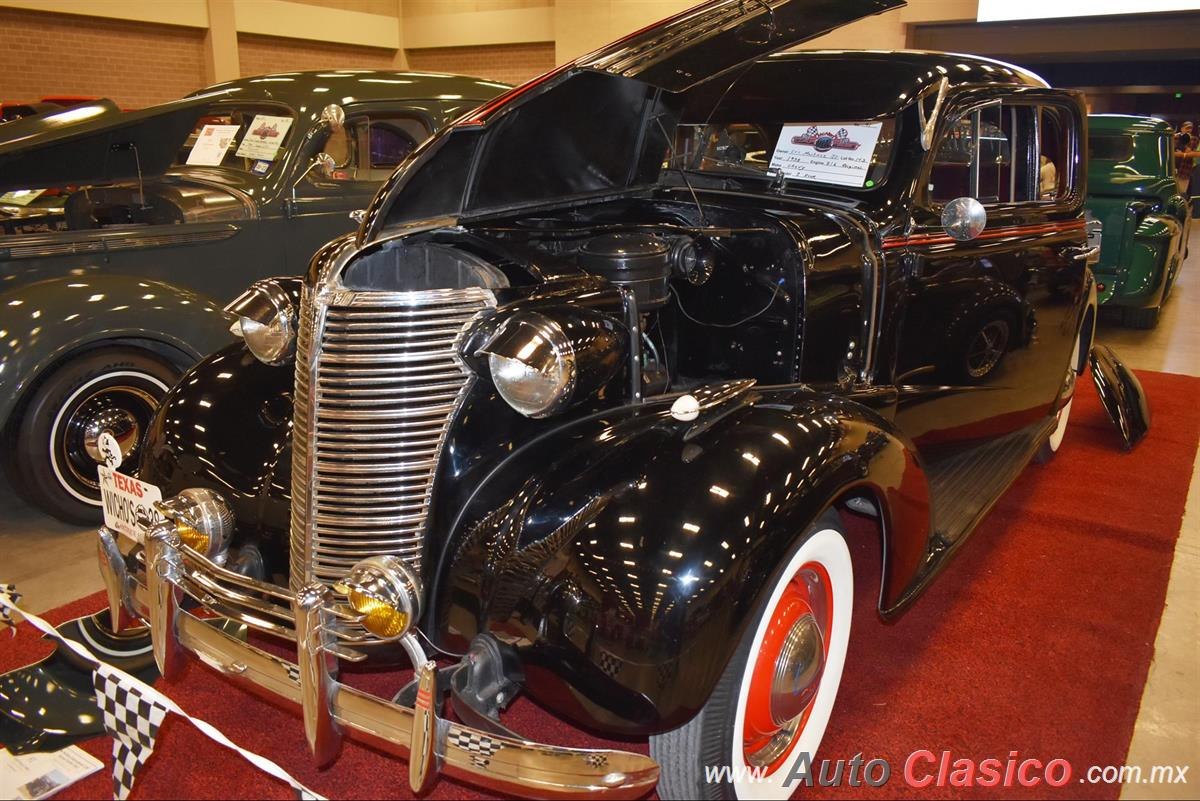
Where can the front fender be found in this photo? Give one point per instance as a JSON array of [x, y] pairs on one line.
[[227, 426], [46, 321], [631, 550], [1149, 255]]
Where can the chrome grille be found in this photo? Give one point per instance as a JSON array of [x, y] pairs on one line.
[[377, 381]]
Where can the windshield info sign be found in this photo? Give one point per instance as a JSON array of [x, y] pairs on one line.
[[827, 152]]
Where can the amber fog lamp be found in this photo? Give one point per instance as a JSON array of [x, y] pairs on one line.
[[532, 364], [265, 318], [202, 518], [386, 592]]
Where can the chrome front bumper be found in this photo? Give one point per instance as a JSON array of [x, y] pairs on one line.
[[153, 585]]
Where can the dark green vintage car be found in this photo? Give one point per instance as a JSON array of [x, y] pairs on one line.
[[1132, 191], [123, 234]]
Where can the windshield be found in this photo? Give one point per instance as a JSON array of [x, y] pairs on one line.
[[246, 137], [849, 154]]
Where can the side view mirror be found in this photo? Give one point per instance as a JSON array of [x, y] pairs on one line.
[[964, 218], [331, 118], [323, 163], [333, 115]]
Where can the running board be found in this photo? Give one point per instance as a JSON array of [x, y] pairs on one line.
[[962, 487]]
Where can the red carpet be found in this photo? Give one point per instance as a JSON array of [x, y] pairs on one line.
[[1036, 640]]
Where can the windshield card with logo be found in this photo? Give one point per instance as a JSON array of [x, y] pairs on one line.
[[265, 135], [211, 144], [128, 503], [827, 152]]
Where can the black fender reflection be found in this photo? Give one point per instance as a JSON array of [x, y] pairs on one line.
[[51, 704], [625, 586]]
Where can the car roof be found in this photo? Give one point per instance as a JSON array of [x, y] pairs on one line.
[[346, 86], [1128, 123], [916, 68], [851, 84]]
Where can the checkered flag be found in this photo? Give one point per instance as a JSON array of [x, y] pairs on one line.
[[133, 712], [9, 597], [132, 717]]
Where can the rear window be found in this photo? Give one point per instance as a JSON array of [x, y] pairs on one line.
[[1110, 148]]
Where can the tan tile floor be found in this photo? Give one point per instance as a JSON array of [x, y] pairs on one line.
[[54, 563]]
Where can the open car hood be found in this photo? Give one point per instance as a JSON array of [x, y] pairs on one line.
[[714, 37], [596, 124], [95, 143]]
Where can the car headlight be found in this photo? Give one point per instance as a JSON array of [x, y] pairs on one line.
[[386, 592], [202, 519], [265, 317], [532, 363]]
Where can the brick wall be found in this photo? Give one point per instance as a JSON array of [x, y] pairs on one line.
[[258, 55], [513, 64], [134, 63]]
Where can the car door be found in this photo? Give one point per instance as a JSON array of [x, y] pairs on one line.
[[364, 151], [989, 323]]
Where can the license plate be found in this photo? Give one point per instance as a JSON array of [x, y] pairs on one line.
[[128, 503]]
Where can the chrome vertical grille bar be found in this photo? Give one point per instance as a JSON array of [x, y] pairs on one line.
[[378, 378]]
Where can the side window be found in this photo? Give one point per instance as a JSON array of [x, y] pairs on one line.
[[1054, 173], [987, 155], [370, 147]]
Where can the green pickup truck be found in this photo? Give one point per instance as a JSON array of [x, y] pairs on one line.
[[1132, 191]]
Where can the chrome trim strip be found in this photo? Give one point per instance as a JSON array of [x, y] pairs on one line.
[[31, 246]]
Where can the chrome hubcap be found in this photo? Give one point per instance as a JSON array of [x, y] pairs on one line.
[[791, 663], [798, 670], [110, 436], [987, 348], [104, 427]]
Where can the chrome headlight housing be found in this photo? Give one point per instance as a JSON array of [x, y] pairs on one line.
[[265, 318], [532, 362], [386, 592], [202, 519]]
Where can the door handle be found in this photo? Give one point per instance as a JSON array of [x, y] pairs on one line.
[[1083, 253]]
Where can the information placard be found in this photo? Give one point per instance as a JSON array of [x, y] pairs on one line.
[[264, 137], [828, 152], [210, 147]]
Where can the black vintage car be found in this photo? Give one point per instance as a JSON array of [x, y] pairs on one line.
[[580, 405]]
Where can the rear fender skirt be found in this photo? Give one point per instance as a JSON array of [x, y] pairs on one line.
[[1121, 394]]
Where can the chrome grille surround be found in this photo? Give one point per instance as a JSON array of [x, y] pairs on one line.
[[378, 380]]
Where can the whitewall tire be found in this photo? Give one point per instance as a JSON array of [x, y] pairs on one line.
[[113, 391], [774, 700], [1054, 441]]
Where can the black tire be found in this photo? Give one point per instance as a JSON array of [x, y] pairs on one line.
[[49, 464], [966, 364], [1142, 319], [710, 738], [130, 650], [1049, 447]]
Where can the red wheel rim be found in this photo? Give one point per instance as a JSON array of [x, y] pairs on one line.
[[766, 742]]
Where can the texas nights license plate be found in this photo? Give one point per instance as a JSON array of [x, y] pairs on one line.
[[128, 503]]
